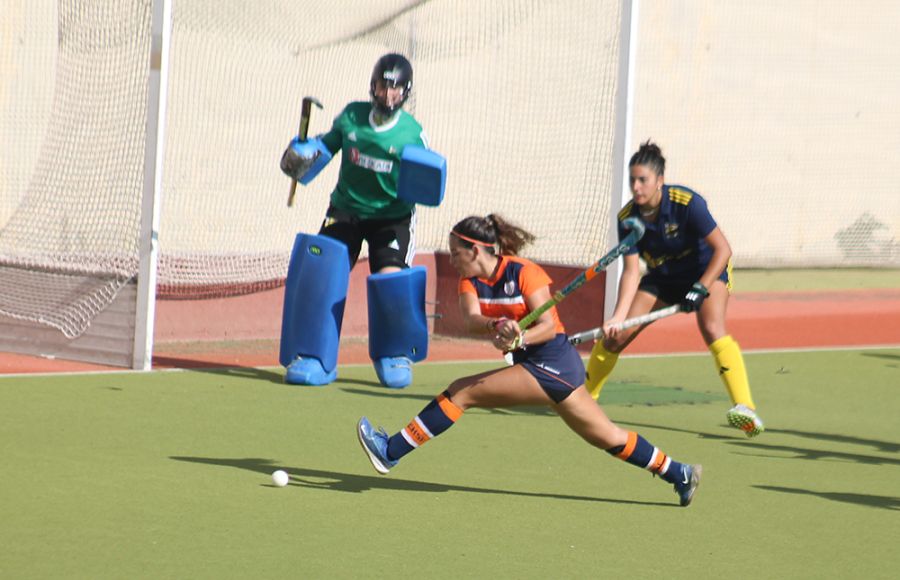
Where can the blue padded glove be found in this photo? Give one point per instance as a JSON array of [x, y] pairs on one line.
[[299, 157]]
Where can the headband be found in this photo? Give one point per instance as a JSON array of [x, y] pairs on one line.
[[471, 240]]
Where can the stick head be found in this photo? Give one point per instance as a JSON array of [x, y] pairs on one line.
[[635, 225], [307, 101]]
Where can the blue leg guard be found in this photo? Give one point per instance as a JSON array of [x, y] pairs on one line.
[[398, 330], [314, 297]]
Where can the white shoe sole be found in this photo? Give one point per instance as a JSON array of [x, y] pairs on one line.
[[696, 473], [373, 459], [749, 424]]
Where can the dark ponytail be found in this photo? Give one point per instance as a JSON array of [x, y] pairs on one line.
[[650, 155], [492, 230]]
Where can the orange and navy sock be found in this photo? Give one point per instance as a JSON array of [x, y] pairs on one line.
[[438, 416], [638, 451]]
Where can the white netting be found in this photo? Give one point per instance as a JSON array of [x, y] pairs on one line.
[[68, 240], [525, 121], [782, 114]]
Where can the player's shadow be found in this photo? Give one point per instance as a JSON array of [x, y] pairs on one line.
[[352, 483], [253, 373], [876, 501], [701, 434], [364, 383], [883, 446], [427, 397], [806, 454], [882, 355], [759, 447]]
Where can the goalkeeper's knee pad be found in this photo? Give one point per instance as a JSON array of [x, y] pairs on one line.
[[314, 297]]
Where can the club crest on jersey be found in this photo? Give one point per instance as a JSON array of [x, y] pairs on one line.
[[509, 287], [369, 162], [671, 230]]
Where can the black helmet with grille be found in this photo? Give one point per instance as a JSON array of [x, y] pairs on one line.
[[394, 71]]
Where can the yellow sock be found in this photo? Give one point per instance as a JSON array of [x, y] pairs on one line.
[[600, 366], [730, 364]]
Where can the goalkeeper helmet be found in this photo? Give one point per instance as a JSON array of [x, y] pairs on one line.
[[393, 70]]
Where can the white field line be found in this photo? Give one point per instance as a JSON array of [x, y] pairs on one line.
[[20, 376]]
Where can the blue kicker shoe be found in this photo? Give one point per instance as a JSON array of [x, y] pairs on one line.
[[687, 484], [394, 372], [308, 371], [375, 443]]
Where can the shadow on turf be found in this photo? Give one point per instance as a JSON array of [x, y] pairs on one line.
[[882, 355], [759, 445], [877, 501], [349, 482], [241, 372], [426, 398]]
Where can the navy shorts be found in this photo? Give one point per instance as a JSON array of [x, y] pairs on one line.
[[672, 289], [556, 365]]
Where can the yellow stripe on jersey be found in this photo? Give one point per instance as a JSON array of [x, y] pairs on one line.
[[730, 284], [680, 196], [626, 210]]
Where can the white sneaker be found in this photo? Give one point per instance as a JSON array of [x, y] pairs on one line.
[[744, 418]]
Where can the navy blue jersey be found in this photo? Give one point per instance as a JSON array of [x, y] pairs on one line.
[[674, 244]]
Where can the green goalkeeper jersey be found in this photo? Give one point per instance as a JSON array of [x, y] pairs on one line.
[[370, 163]]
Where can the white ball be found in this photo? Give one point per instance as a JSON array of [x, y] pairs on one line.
[[280, 478]]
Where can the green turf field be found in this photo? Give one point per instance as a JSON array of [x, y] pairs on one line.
[[815, 279], [166, 475]]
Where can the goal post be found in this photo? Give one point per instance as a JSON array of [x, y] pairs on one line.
[[624, 106], [158, 71]]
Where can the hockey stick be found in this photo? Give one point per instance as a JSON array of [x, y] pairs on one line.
[[637, 231], [597, 333], [305, 113]]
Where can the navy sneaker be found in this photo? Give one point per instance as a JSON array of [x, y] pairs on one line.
[[687, 483], [375, 444], [394, 372]]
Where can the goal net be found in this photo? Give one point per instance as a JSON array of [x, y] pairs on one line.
[[781, 114], [517, 94]]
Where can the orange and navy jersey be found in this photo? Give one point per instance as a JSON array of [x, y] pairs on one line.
[[504, 294]]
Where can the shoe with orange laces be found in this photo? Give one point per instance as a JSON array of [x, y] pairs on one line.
[[744, 418]]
